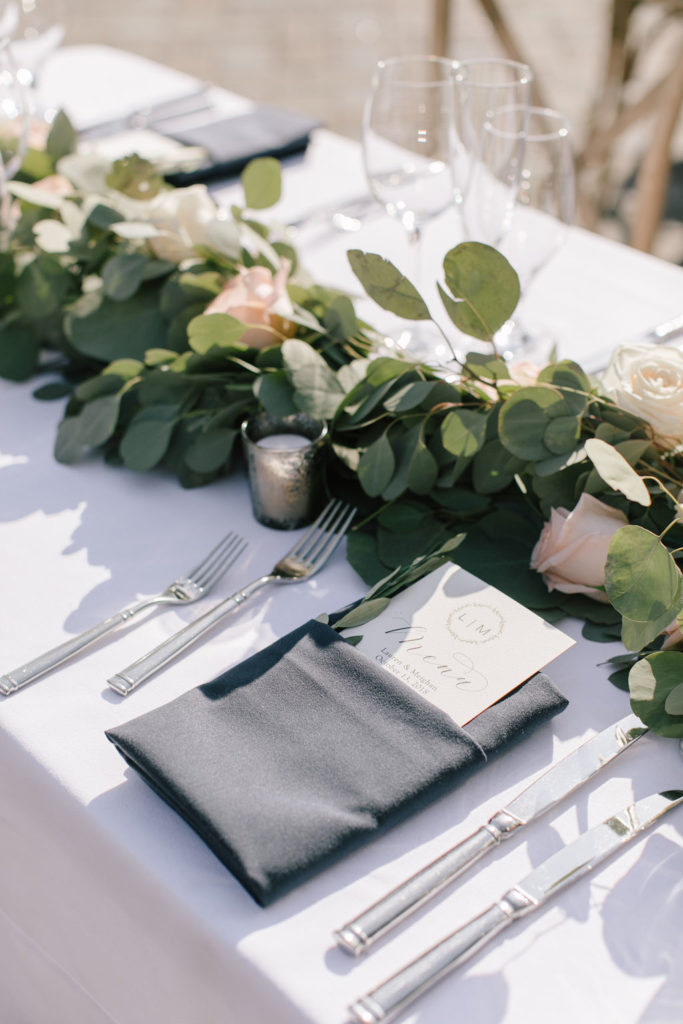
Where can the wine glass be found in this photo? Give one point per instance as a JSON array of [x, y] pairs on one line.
[[36, 28], [481, 85], [408, 150], [13, 117], [521, 200]]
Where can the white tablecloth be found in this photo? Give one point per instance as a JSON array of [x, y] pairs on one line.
[[111, 909]]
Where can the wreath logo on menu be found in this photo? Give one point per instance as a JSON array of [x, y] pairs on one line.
[[475, 623]]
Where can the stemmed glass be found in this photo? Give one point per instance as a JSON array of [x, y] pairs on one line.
[[521, 199], [480, 86], [36, 28], [13, 125], [408, 149]]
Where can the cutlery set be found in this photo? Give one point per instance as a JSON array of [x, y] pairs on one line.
[[561, 869], [305, 558]]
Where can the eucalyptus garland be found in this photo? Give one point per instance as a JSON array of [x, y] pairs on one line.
[[107, 287]]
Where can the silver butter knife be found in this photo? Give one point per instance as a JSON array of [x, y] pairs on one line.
[[559, 871], [557, 782]]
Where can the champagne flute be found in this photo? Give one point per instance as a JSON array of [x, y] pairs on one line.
[[480, 86], [408, 150], [521, 200]]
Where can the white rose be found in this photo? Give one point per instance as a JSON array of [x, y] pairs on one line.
[[572, 549], [647, 380], [258, 297]]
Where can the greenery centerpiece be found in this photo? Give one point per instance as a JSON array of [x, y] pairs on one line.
[[164, 320]]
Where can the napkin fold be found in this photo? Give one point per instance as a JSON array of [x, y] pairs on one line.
[[306, 750], [232, 142]]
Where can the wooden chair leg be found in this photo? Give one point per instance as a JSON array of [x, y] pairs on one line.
[[653, 177], [441, 27]]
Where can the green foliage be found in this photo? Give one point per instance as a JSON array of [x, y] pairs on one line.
[[656, 688], [262, 183], [478, 461]]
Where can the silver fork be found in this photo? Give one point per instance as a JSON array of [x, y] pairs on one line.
[[308, 555], [184, 590]]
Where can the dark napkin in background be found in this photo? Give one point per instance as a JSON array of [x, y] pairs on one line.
[[232, 142], [306, 750]]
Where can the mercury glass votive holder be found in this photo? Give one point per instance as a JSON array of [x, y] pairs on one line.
[[285, 465]]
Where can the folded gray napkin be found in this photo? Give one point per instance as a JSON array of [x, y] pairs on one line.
[[308, 749], [232, 142]]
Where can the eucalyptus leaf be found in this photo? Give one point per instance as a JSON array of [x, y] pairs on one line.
[[361, 554], [642, 579], [561, 434], [317, 390], [42, 287], [94, 425], [211, 450], [636, 635], [673, 704], [651, 681], [215, 331], [525, 417], [486, 286], [376, 466], [19, 350], [147, 437], [62, 138], [105, 330], [262, 183], [494, 468], [615, 471], [275, 393], [463, 431], [362, 613], [410, 396], [123, 274], [53, 391], [384, 283]]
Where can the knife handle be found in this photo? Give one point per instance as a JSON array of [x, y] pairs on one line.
[[360, 933], [402, 988]]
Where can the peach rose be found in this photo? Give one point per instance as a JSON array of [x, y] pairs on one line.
[[673, 636], [258, 297], [56, 185], [572, 549]]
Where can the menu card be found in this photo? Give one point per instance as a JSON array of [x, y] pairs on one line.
[[458, 642]]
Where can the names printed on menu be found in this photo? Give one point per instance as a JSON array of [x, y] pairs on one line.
[[459, 643]]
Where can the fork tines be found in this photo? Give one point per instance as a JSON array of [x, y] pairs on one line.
[[218, 559], [325, 533]]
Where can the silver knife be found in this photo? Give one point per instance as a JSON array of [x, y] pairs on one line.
[[192, 102], [560, 870], [557, 782]]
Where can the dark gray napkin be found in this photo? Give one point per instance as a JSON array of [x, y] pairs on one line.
[[307, 750], [232, 142]]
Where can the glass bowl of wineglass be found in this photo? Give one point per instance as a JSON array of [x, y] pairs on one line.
[[521, 200], [408, 151]]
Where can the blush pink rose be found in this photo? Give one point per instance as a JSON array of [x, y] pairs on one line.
[[673, 636], [572, 549], [258, 297], [56, 185]]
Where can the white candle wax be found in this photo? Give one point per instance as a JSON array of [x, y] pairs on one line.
[[284, 441]]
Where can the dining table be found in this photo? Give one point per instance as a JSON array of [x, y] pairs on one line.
[[112, 909]]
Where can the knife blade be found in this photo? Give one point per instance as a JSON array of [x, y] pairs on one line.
[[192, 102], [553, 875], [357, 935]]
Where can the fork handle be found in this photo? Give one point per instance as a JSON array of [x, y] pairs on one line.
[[18, 677], [129, 678]]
